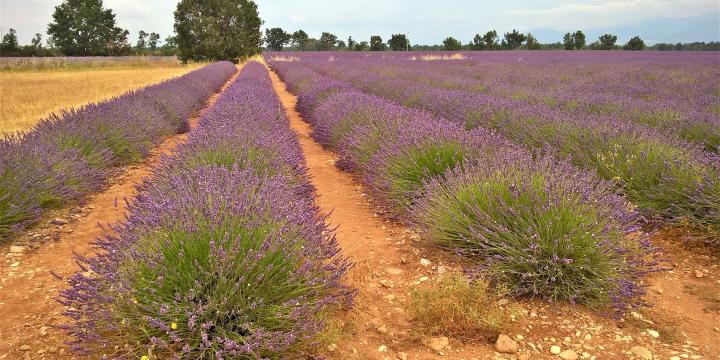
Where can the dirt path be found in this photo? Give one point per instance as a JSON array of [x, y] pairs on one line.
[[28, 288], [387, 266]]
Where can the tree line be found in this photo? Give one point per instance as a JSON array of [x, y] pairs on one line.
[[277, 39], [230, 30], [204, 31]]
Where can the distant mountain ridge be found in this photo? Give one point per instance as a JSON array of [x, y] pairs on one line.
[[658, 30]]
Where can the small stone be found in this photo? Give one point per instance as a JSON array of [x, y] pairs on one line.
[[441, 270], [332, 347], [425, 262], [699, 274], [438, 343], [653, 333], [52, 349], [382, 329], [17, 249], [393, 271], [641, 352], [555, 350], [659, 290], [25, 348], [674, 358], [58, 221], [587, 337], [523, 357], [568, 355], [423, 278], [636, 316], [402, 356], [383, 348], [15, 264], [505, 344]]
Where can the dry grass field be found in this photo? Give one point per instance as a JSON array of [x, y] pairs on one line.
[[28, 96]]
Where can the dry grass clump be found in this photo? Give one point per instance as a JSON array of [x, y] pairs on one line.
[[284, 58], [29, 96], [463, 309], [456, 56]]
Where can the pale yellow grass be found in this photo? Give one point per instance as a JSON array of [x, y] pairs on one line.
[[27, 97], [285, 58], [456, 56]]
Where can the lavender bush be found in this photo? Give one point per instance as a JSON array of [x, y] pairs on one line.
[[223, 254], [476, 193], [72, 153]]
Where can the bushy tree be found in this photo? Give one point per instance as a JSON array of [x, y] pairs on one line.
[[531, 43], [142, 43], [9, 45], [579, 38], [351, 43], [341, 45], [574, 41], [327, 41], [605, 42], [84, 27], [636, 43], [362, 46], [376, 43], [490, 39], [514, 39], [36, 41], [299, 40], [399, 42], [153, 40], [569, 41], [276, 38], [477, 43], [452, 44], [217, 30]]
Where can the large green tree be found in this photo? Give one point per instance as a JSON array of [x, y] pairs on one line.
[[579, 40], [153, 40], [276, 38], [636, 43], [376, 43], [217, 29], [452, 44], [532, 43], [514, 39], [300, 39], [9, 45], [85, 27], [399, 42], [327, 41], [569, 41]]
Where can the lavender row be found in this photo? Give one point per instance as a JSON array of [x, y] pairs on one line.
[[694, 118], [538, 226], [223, 254], [666, 178], [72, 153], [675, 92], [690, 115]]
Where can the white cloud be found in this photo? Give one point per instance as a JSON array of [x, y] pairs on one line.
[[608, 13]]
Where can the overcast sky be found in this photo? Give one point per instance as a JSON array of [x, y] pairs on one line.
[[425, 22]]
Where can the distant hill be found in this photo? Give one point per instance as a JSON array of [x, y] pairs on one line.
[[668, 30]]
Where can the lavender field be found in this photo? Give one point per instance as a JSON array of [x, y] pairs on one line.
[[648, 123], [356, 205]]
